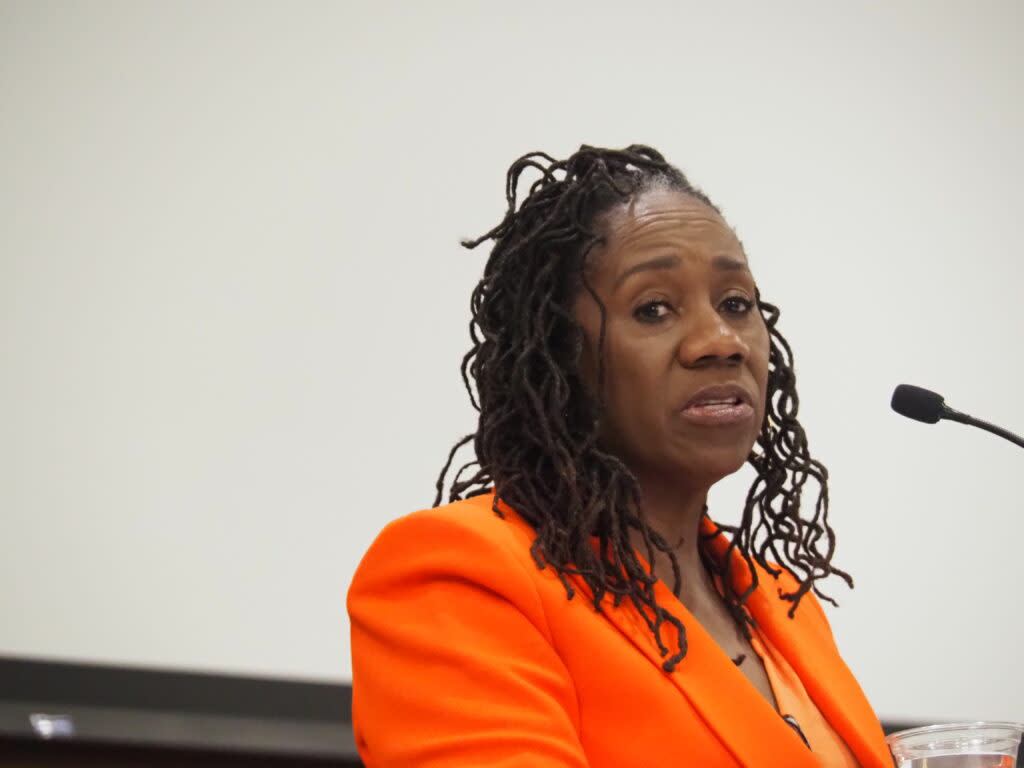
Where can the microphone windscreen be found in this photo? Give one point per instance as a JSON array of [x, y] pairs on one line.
[[917, 403]]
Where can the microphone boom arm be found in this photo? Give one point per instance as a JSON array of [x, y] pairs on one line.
[[963, 418]]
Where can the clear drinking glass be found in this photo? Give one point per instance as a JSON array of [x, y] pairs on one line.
[[957, 745]]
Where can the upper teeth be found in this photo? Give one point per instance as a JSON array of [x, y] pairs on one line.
[[728, 401]]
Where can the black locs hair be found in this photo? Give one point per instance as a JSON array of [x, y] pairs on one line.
[[536, 441]]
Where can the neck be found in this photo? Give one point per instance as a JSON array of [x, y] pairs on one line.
[[674, 510]]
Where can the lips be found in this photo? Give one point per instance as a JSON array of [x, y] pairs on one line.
[[719, 405], [728, 394]]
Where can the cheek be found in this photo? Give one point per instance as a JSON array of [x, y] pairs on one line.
[[636, 376], [763, 353], [759, 361]]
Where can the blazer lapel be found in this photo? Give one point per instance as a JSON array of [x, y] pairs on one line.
[[743, 720], [810, 650], [808, 646]]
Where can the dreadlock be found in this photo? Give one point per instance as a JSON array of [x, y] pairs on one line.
[[536, 441]]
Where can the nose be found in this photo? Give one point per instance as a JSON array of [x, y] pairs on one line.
[[709, 338]]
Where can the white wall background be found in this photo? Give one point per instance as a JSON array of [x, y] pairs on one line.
[[232, 303]]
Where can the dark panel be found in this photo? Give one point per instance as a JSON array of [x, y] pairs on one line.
[[160, 709], [121, 687], [38, 754]]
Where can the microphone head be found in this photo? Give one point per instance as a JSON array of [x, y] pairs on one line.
[[917, 403]]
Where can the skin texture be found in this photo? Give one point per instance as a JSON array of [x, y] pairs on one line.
[[680, 316]]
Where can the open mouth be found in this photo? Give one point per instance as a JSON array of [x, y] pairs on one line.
[[716, 404], [718, 408]]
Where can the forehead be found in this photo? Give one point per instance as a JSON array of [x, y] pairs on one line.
[[668, 218]]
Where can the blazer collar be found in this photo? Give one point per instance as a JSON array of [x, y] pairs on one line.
[[743, 720], [739, 715]]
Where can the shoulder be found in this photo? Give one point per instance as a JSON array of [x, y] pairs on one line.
[[448, 548], [463, 527], [447, 618]]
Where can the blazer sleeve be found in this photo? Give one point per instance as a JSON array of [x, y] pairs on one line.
[[452, 661]]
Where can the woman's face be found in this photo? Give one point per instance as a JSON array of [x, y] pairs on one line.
[[686, 349]]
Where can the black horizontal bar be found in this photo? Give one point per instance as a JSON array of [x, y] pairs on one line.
[[174, 691]]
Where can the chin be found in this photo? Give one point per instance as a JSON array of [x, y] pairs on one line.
[[692, 462], [708, 467]]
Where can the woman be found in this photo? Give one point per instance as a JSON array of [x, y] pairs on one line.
[[574, 605]]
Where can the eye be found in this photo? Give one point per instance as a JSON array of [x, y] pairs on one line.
[[652, 311], [738, 305]]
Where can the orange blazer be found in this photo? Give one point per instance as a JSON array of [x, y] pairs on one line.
[[464, 653]]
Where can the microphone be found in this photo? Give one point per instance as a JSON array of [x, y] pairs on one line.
[[927, 406]]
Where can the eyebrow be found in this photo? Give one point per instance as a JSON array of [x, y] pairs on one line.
[[662, 262], [728, 263], [722, 263]]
